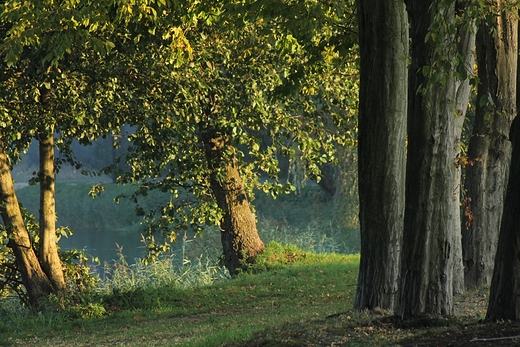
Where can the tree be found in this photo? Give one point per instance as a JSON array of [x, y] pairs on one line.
[[430, 241], [251, 88], [490, 148], [463, 84], [240, 240], [34, 278], [41, 95], [40, 266], [48, 251], [383, 38], [503, 297], [198, 113]]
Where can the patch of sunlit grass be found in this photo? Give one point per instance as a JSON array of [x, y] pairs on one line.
[[225, 312]]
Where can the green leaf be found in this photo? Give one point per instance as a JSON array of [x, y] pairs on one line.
[[426, 70], [490, 99]]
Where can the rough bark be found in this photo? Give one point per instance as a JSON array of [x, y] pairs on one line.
[[430, 239], [383, 37], [48, 252], [34, 278], [490, 148], [466, 46], [504, 298], [240, 240]]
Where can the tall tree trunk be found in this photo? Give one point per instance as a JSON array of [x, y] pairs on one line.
[[240, 240], [48, 252], [383, 37], [490, 148], [466, 47], [430, 242], [505, 284], [504, 298], [34, 278]]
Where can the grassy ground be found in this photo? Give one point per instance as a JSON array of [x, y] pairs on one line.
[[308, 287], [291, 298]]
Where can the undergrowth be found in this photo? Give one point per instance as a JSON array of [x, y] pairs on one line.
[[130, 285], [290, 297], [299, 268], [200, 291]]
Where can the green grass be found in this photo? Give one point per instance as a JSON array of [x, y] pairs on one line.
[[290, 298], [298, 287], [186, 298], [296, 295]]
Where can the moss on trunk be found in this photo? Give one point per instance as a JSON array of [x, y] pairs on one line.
[[240, 240]]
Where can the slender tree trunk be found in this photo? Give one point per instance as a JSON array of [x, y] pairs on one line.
[[48, 252], [383, 37], [34, 278], [240, 240], [504, 298], [431, 245], [490, 149], [466, 49]]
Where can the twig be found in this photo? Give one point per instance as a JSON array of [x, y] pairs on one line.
[[497, 338]]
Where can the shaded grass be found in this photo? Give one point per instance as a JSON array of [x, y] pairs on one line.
[[305, 288], [293, 298], [290, 297]]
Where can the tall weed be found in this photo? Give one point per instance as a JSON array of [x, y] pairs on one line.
[[309, 239], [182, 270]]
